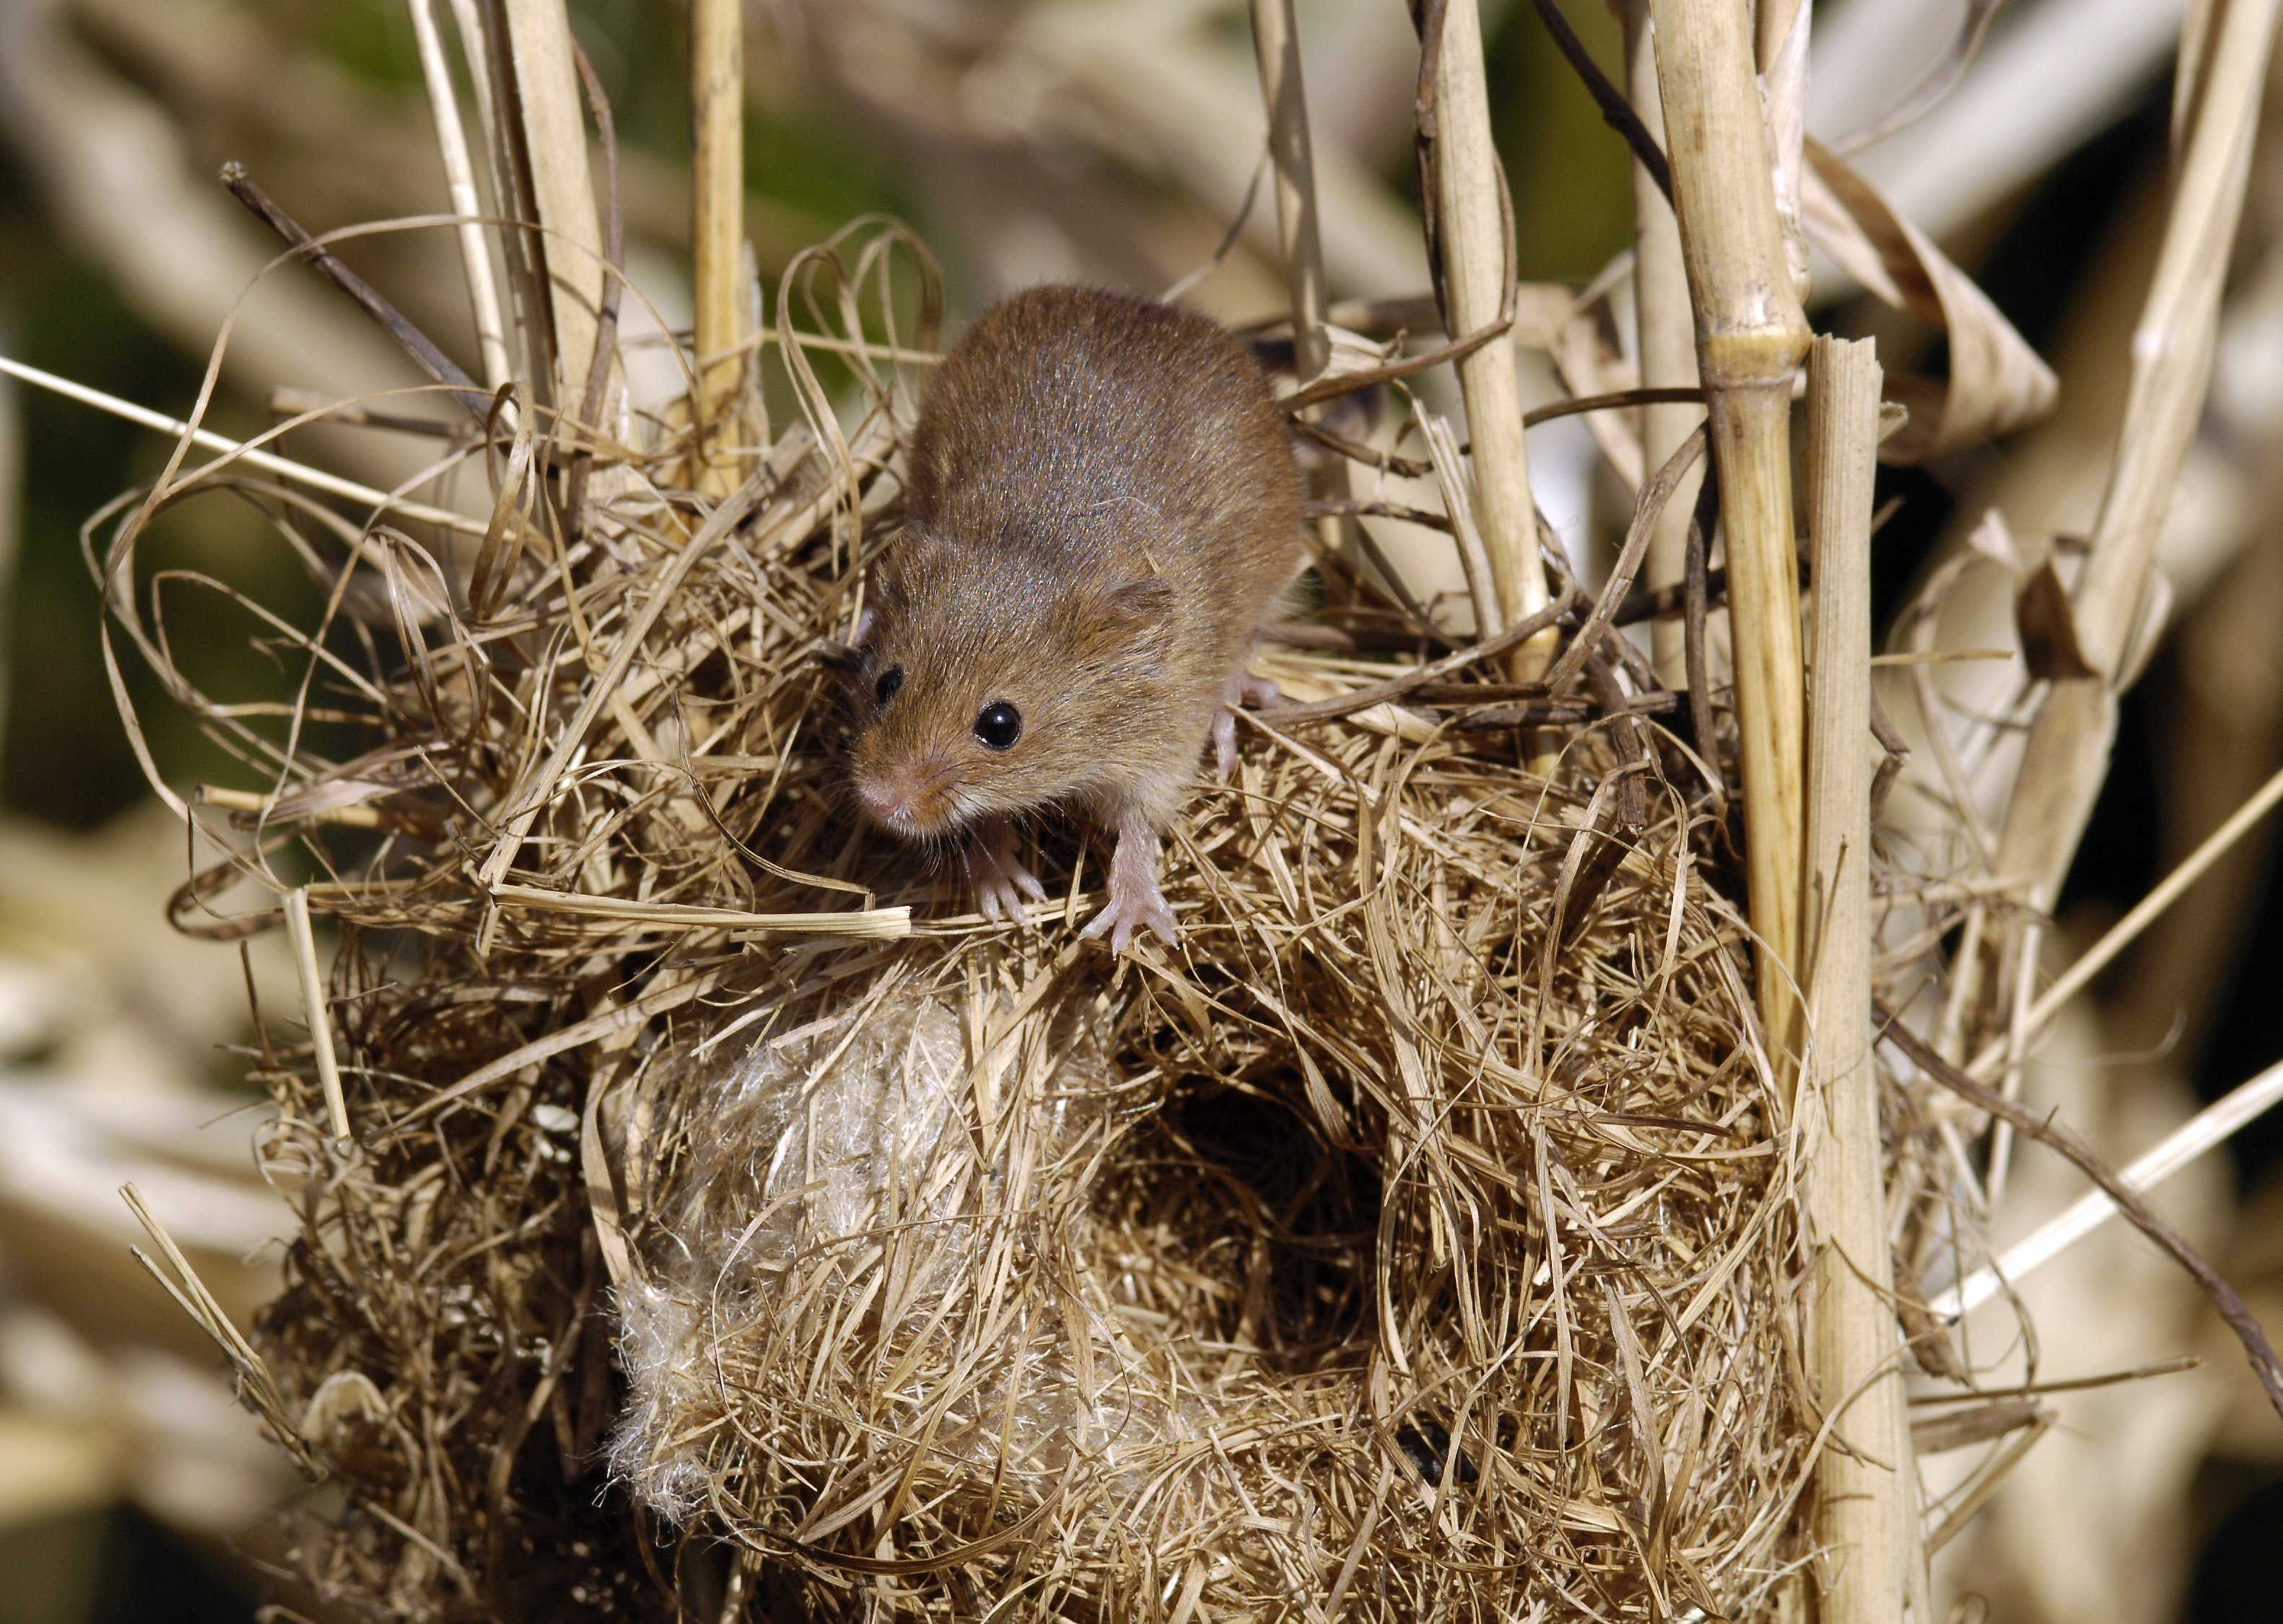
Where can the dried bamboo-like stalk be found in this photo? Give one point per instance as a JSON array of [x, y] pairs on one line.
[[1469, 203], [1750, 336], [1864, 1475], [537, 41], [2223, 68], [1276, 46], [1276, 49], [1783, 26], [1667, 342], [717, 89], [460, 182]]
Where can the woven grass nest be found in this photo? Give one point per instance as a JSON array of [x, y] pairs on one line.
[[1418, 1241], [701, 1216]]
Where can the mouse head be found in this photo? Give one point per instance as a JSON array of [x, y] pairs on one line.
[[980, 694]]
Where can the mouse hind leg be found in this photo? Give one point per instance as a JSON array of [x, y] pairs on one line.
[[1242, 688]]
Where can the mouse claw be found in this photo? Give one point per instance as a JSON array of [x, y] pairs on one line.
[[1121, 918], [995, 869], [1243, 688]]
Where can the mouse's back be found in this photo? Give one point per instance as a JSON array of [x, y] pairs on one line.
[[1099, 433]]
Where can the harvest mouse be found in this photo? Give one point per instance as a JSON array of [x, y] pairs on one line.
[[1103, 504]]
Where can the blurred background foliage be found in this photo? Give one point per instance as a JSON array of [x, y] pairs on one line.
[[1083, 138]]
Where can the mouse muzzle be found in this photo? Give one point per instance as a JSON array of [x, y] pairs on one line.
[[914, 799]]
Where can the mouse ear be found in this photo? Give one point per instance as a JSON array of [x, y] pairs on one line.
[[1146, 602], [903, 562]]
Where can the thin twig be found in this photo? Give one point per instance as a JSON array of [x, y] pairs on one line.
[[2208, 1130], [440, 367], [2052, 1134], [1618, 112]]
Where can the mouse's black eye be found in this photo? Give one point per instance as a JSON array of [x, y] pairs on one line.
[[890, 679], [999, 725]]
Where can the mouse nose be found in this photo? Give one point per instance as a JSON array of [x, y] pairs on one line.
[[911, 800], [909, 795], [883, 800]]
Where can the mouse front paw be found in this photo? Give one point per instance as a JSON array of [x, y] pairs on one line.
[[995, 866], [1136, 900]]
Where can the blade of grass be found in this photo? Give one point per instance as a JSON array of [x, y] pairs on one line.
[[460, 183], [1666, 341]]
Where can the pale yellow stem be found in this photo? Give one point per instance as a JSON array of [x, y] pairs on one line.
[[717, 83], [1750, 337]]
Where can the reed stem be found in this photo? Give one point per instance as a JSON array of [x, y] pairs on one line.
[[1666, 340], [467, 202], [1750, 337], [554, 135], [2222, 74], [1470, 199], [1853, 1348], [716, 89]]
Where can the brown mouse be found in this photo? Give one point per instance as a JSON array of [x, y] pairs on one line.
[[1103, 504]]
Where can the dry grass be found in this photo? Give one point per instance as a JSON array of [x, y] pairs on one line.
[[1354, 1253], [702, 1214], [1427, 1229]]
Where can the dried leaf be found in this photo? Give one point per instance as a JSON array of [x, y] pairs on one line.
[[2047, 627], [1997, 382]]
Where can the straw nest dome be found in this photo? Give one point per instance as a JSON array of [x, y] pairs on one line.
[[698, 1214], [1418, 1240]]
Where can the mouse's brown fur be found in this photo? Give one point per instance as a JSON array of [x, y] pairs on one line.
[[1103, 504]]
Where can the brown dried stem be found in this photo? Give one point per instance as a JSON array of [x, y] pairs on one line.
[[1473, 229], [440, 367], [1666, 337], [1864, 1475], [1751, 337], [1276, 51], [551, 132], [717, 85], [2049, 1132]]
